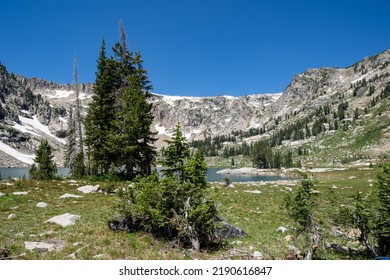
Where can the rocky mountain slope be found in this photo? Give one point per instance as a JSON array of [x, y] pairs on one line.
[[31, 109]]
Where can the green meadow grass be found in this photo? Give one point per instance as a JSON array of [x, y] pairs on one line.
[[259, 215]]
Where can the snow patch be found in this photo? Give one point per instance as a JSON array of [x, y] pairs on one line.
[[35, 124], [161, 130], [170, 99], [29, 159], [25, 112], [24, 129], [229, 97], [62, 93]]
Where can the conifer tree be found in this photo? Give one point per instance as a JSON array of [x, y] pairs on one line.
[[44, 167], [101, 114], [382, 229], [176, 154], [119, 118], [79, 123], [195, 170], [137, 138], [70, 146]]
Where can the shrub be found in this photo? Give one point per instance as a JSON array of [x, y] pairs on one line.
[[178, 206], [172, 210]]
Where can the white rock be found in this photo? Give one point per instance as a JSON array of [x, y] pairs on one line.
[[11, 216], [1, 194], [352, 177], [64, 219], [41, 204], [43, 246], [20, 193], [257, 254], [255, 191], [68, 195], [72, 256], [88, 189], [99, 256], [282, 229], [231, 186], [237, 242]]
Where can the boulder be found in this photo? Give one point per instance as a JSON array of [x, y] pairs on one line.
[[88, 189], [68, 195], [44, 246], [229, 231], [64, 219], [123, 223]]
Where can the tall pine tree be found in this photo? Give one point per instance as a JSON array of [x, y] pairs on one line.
[[101, 114], [119, 118]]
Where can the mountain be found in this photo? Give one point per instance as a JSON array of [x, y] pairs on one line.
[[32, 108]]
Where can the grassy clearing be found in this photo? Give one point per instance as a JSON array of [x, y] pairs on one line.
[[257, 214]]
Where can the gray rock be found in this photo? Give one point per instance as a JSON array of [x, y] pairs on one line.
[[41, 204], [294, 249], [229, 231], [68, 195], [64, 219], [1, 194], [88, 189]]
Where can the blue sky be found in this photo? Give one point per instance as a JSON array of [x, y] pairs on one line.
[[194, 48]]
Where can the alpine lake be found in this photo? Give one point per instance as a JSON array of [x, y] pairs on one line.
[[212, 175]]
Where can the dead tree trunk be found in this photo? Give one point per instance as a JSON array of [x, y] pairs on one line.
[[313, 244]]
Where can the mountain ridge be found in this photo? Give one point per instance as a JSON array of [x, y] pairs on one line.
[[30, 105]]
